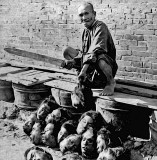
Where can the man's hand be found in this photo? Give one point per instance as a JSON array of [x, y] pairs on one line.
[[82, 77], [83, 74], [90, 58], [68, 64]]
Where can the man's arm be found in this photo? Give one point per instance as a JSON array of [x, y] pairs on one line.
[[101, 42]]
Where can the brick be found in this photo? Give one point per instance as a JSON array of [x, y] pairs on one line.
[[150, 38], [118, 37], [152, 44], [141, 53], [149, 76], [151, 59], [134, 37], [131, 58], [124, 74], [154, 20], [151, 26], [140, 70], [155, 81], [139, 16], [138, 48], [118, 47], [137, 64], [125, 42], [154, 54], [123, 52], [24, 38], [144, 32], [123, 63], [130, 69], [142, 43], [154, 72], [147, 64], [154, 65]]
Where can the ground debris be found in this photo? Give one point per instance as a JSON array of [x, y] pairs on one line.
[[8, 110]]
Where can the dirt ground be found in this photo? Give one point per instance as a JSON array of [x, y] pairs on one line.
[[14, 142]]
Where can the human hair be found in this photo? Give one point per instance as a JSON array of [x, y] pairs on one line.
[[50, 102], [110, 137], [96, 117], [70, 126], [105, 134]]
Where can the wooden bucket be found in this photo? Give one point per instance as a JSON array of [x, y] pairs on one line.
[[62, 97], [128, 119], [30, 97], [6, 91]]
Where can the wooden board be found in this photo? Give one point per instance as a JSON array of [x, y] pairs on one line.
[[64, 77], [33, 76], [118, 96], [129, 99], [60, 84], [140, 84], [7, 69], [44, 68], [30, 77], [134, 90]]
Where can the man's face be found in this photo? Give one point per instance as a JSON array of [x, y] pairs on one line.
[[85, 123], [101, 144], [49, 139], [56, 115], [43, 110], [49, 127], [70, 143], [87, 143], [87, 15], [63, 133]]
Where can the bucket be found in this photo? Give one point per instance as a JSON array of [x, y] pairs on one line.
[[30, 97], [6, 91], [128, 119], [62, 97]]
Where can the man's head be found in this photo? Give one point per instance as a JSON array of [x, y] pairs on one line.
[[87, 14], [88, 143]]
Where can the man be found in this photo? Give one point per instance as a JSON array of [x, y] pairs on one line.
[[88, 144], [98, 60]]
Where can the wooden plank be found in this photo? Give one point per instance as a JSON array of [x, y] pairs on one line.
[[32, 72], [118, 97], [64, 85], [45, 68], [5, 78], [28, 74], [24, 74], [9, 69], [129, 99], [64, 77], [31, 77], [141, 84], [4, 64], [134, 90]]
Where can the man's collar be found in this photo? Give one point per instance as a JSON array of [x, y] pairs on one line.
[[89, 28]]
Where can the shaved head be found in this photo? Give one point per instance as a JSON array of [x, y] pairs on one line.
[[87, 4], [87, 14]]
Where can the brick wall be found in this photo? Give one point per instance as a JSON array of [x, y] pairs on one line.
[[46, 26]]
